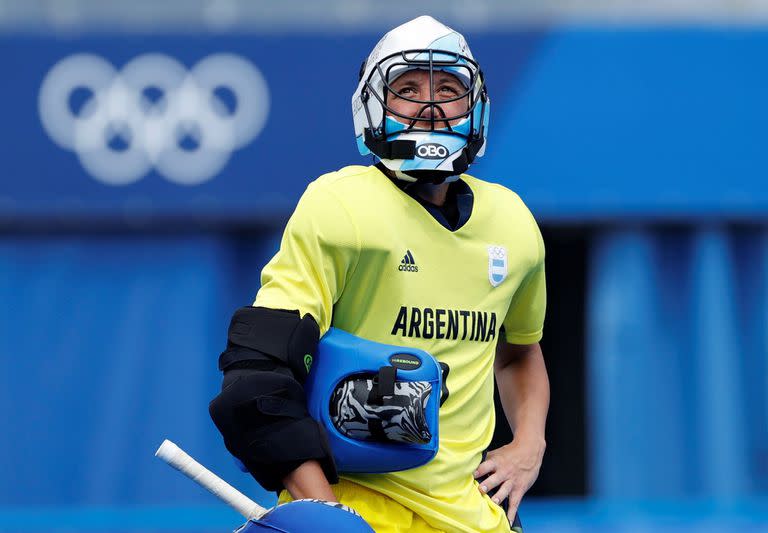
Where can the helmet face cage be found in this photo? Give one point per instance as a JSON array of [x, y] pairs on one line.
[[460, 65]]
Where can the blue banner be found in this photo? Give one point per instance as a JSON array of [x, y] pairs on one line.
[[130, 127], [584, 124]]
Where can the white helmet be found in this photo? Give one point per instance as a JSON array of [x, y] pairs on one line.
[[433, 154]]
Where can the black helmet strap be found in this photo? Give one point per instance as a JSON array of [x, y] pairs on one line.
[[461, 163], [398, 149]]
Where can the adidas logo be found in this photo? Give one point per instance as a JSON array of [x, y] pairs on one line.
[[408, 264]]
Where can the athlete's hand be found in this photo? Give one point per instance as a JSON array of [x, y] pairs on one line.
[[510, 471]]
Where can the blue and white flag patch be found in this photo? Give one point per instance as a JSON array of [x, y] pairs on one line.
[[497, 264]]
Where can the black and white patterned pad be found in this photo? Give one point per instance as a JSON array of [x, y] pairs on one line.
[[398, 418]]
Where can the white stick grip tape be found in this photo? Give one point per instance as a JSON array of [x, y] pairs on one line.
[[181, 461]]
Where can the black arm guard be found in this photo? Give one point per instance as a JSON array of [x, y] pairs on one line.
[[264, 338], [261, 411]]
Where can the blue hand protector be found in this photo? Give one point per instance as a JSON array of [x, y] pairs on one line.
[[378, 403]]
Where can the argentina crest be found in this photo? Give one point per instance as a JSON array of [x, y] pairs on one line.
[[497, 264]]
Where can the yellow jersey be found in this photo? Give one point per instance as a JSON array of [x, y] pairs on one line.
[[361, 255]]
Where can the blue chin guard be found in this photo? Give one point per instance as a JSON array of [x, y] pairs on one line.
[[378, 403]]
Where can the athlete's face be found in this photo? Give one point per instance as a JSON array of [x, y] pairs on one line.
[[415, 84]]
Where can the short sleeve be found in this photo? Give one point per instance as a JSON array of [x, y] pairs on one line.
[[318, 253], [524, 322]]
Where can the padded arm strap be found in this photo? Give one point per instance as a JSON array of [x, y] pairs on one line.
[[258, 333]]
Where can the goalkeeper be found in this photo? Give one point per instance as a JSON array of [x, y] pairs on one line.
[[409, 251]]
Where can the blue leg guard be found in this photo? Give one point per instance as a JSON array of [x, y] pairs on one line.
[[304, 516]]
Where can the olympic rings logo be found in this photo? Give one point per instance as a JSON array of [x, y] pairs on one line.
[[153, 114]]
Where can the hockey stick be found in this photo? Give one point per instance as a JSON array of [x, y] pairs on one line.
[[181, 461]]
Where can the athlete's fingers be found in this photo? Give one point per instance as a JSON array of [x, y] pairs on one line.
[[486, 467], [515, 496], [503, 492], [491, 482]]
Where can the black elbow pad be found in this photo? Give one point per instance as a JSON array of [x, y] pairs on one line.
[[263, 418], [267, 338], [262, 410]]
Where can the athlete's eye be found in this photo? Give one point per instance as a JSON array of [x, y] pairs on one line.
[[406, 91], [448, 90]]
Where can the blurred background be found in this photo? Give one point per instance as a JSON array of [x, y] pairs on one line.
[[635, 131]]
